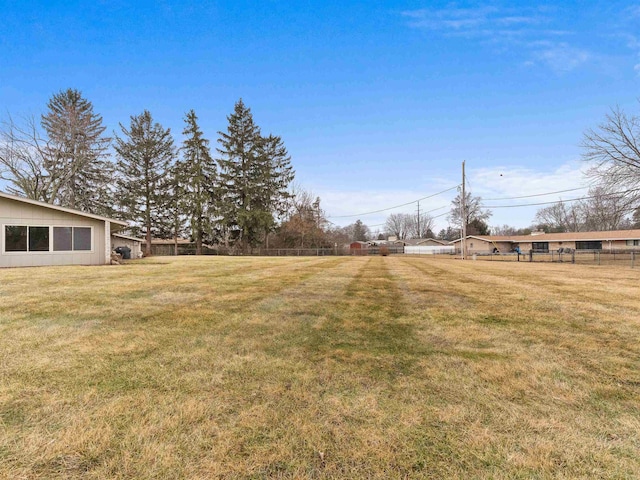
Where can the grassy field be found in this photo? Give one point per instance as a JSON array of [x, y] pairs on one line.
[[381, 367]]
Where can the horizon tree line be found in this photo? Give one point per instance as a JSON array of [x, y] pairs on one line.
[[242, 196], [164, 190]]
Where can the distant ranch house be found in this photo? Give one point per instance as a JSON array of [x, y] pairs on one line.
[[169, 246], [34, 233], [421, 242], [614, 240]]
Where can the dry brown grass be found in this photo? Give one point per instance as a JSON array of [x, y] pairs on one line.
[[381, 367]]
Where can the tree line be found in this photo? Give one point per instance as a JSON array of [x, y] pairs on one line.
[[233, 196], [242, 194], [239, 195]]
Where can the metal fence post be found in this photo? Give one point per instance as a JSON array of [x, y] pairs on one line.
[[633, 258], [573, 256], [598, 258]]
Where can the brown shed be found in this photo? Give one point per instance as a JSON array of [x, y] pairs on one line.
[[359, 248]]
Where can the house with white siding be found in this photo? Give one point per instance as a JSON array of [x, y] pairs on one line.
[[34, 233]]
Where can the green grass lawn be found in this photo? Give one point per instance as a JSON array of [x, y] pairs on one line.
[[320, 367]]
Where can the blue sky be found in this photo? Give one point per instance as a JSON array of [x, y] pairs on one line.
[[377, 102]]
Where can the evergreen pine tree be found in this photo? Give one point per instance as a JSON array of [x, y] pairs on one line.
[[76, 154], [277, 173], [360, 232], [197, 177], [174, 219], [240, 150], [145, 155], [254, 175]]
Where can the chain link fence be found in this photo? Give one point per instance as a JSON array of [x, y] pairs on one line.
[[630, 258]]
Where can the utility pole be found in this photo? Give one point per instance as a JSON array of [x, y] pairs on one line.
[[419, 233], [463, 207]]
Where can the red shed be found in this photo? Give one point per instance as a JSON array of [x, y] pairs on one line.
[[359, 248]]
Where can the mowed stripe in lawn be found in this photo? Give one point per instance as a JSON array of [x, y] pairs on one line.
[[528, 381], [72, 361], [319, 377], [144, 290], [362, 367]]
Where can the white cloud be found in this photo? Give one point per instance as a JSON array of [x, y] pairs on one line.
[[345, 207], [561, 57], [512, 29], [473, 22], [512, 181], [632, 42], [496, 185], [633, 11], [499, 185]]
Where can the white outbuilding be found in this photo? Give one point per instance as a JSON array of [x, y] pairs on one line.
[[34, 233]]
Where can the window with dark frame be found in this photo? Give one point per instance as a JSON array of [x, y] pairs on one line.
[[38, 239], [62, 239], [23, 238], [15, 238], [542, 247], [591, 245], [81, 238]]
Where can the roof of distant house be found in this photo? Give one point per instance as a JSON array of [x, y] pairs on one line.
[[560, 237], [168, 241], [420, 241]]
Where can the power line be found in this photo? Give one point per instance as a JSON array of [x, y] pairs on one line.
[[485, 206], [434, 209], [564, 201], [423, 216], [441, 215], [537, 194], [391, 208]]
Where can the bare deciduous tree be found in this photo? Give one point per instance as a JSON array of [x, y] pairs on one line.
[[22, 161], [614, 148], [474, 212], [422, 226], [561, 217], [62, 159], [304, 224], [601, 210], [398, 225], [606, 210]]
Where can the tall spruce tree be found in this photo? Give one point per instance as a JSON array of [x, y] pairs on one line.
[[145, 156], [174, 219], [277, 173], [254, 175], [76, 154], [197, 177]]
